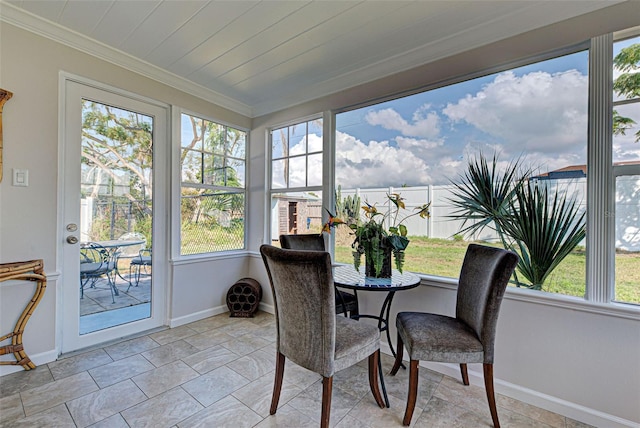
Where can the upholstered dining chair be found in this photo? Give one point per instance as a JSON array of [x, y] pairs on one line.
[[309, 333], [469, 336], [345, 302]]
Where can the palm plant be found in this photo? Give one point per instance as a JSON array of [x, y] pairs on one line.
[[542, 228]]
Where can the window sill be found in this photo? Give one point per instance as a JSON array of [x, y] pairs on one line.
[[620, 310]]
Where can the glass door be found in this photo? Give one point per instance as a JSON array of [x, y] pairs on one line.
[[111, 269]]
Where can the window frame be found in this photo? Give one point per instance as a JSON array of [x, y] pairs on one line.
[[178, 184], [322, 187], [600, 240]]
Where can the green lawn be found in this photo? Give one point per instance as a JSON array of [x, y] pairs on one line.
[[443, 257]]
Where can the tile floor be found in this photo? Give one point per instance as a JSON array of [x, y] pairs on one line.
[[218, 372]]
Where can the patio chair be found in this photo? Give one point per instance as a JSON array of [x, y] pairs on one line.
[[469, 336], [96, 262], [143, 260], [308, 331], [345, 302]]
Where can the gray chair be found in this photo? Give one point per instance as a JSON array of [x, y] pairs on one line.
[[345, 302], [308, 331], [469, 336]]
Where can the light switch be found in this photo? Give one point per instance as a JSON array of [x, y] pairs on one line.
[[21, 177]]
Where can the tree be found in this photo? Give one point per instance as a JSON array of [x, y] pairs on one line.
[[627, 85]]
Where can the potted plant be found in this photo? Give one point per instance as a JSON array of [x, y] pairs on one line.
[[376, 240]]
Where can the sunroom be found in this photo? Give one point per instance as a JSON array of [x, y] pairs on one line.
[[219, 176]]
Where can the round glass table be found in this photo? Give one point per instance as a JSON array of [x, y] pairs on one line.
[[346, 276]]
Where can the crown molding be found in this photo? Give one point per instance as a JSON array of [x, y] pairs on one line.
[[32, 23]]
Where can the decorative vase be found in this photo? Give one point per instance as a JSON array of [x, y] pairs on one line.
[[385, 271]]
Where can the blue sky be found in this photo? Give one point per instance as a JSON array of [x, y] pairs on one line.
[[539, 111]]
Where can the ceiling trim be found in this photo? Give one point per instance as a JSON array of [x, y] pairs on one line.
[[30, 22]]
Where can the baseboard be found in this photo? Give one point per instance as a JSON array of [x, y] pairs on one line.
[[38, 360], [267, 308], [553, 404], [197, 316]]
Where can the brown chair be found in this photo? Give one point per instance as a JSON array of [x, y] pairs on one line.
[[345, 302], [308, 331], [469, 336]]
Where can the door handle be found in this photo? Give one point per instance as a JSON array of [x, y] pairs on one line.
[[72, 239]]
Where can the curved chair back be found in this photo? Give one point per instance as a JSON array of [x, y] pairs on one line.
[[304, 299], [483, 280], [95, 260], [313, 242]]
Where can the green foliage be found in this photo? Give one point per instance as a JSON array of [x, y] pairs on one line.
[[542, 228], [371, 237], [626, 85]]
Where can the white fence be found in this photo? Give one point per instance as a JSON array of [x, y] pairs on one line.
[[440, 225]]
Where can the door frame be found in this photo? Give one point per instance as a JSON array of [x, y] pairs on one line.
[[68, 293]]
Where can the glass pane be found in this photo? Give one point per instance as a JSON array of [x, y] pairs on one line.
[[236, 141], [209, 169], [116, 203], [421, 144], [315, 127], [235, 173], [314, 175], [625, 69], [626, 147], [219, 171], [295, 213], [191, 166], [298, 171], [189, 124], [211, 221], [628, 239], [279, 143], [215, 138], [315, 143], [298, 141], [279, 174]]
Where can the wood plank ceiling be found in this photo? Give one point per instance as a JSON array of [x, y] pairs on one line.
[[256, 57]]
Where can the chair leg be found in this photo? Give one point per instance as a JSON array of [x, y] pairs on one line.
[[464, 373], [413, 392], [491, 398], [373, 378], [327, 385], [277, 383], [355, 312], [398, 362]]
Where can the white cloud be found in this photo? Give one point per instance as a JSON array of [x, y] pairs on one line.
[[377, 164], [424, 125], [535, 112]]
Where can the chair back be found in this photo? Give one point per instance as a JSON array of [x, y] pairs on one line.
[[304, 300], [483, 280], [95, 260], [314, 242]]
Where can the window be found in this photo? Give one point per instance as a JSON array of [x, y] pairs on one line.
[[419, 145], [537, 115], [212, 163], [296, 178], [626, 168]]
